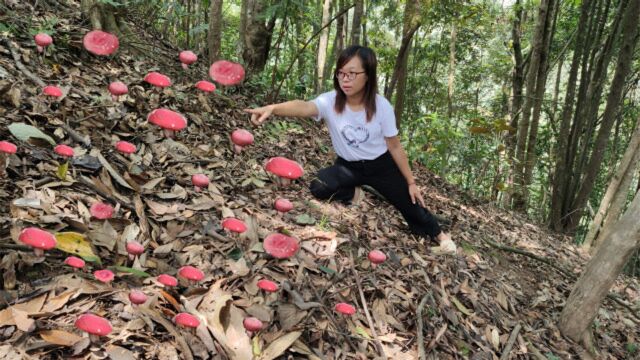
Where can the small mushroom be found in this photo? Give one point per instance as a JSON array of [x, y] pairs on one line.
[[74, 262], [191, 274], [105, 276], [234, 225], [52, 91], [187, 58], [94, 325], [38, 239], [157, 79], [6, 149], [252, 324], [284, 169], [167, 280], [134, 249], [226, 72], [241, 138], [116, 89], [283, 206], [186, 320], [280, 246], [42, 41], [200, 181], [169, 121], [64, 150], [125, 147], [100, 43], [346, 309], [137, 297], [206, 86], [267, 285], [101, 211], [376, 257]]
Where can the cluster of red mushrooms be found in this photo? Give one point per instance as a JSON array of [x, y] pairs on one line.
[[278, 245]]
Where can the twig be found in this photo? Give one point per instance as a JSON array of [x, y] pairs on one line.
[[86, 142], [366, 311], [298, 300], [19, 65], [86, 182], [329, 315], [421, 352], [510, 342]]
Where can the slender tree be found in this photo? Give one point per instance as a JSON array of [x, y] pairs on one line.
[[322, 46], [215, 30]]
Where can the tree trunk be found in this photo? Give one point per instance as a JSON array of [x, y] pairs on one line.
[[322, 46], [623, 68], [104, 16], [600, 273], [243, 26], [215, 30], [452, 68], [257, 36], [356, 24]]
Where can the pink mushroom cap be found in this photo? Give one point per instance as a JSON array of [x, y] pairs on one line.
[[345, 308], [242, 137], [252, 324], [101, 43], [52, 90], [7, 147], [186, 320], [134, 248], [125, 147], [167, 280], [74, 262], [377, 256], [206, 86], [234, 225], [283, 205], [43, 39], [93, 324], [167, 119], [104, 275], [190, 273], [137, 297], [188, 57], [118, 88], [37, 238], [63, 150], [284, 168], [101, 211], [156, 79], [226, 72], [200, 180], [268, 285], [280, 246]]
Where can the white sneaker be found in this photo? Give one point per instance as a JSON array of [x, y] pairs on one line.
[[358, 196], [447, 247]]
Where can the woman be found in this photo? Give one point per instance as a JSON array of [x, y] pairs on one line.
[[363, 132]]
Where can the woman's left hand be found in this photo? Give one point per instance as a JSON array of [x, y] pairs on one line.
[[415, 194]]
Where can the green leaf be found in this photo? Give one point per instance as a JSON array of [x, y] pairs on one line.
[[24, 131], [362, 332], [305, 219], [463, 309], [76, 244], [326, 270], [129, 270], [62, 171], [235, 254]]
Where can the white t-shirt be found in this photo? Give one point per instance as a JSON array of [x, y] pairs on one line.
[[354, 138]]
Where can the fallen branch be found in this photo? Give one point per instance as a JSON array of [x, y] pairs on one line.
[[510, 342], [19, 65], [421, 352], [84, 141], [86, 182]]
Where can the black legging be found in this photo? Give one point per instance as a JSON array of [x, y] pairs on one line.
[[338, 182]]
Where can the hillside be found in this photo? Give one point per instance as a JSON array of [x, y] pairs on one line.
[[499, 297]]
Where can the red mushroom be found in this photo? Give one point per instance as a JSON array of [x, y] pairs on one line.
[[156, 79], [52, 91], [268, 285], [169, 121], [206, 86], [137, 297], [125, 147], [167, 280], [346, 309], [101, 211], [134, 249], [284, 169], [38, 239], [241, 138], [226, 72], [42, 41], [283, 205], [74, 262], [191, 274], [200, 181], [187, 58], [94, 325], [105, 276], [100, 43], [280, 246], [377, 257], [252, 325], [117, 88], [6, 148], [64, 150], [234, 225], [186, 320]]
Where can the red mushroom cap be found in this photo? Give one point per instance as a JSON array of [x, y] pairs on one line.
[[38, 238], [206, 86], [43, 39], [234, 225], [157, 79], [7, 147], [63, 150], [252, 324], [101, 211], [284, 168], [190, 273], [99, 42], [52, 90], [125, 147], [242, 137], [283, 205], [167, 119], [104, 275], [268, 285], [280, 246], [134, 248], [74, 262], [186, 320], [377, 256], [226, 72], [118, 88], [345, 308], [167, 280], [200, 180], [137, 297], [94, 324], [188, 57]]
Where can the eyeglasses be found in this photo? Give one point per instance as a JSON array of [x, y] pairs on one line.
[[341, 75]]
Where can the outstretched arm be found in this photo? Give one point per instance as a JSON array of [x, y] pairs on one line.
[[294, 108]]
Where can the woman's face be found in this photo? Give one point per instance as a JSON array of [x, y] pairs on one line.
[[352, 77]]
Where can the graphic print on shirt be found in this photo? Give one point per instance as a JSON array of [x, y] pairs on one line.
[[354, 136]]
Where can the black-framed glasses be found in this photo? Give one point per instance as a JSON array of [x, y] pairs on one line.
[[351, 75]]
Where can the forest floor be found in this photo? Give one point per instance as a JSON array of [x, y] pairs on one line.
[[486, 302]]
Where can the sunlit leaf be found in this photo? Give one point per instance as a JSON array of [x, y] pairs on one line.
[[76, 244]]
